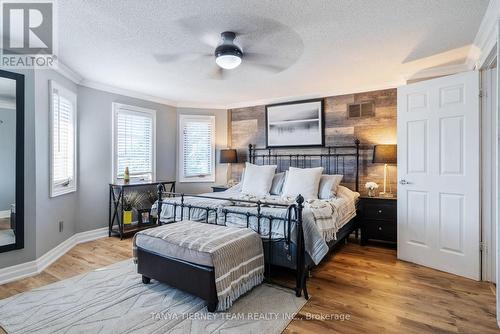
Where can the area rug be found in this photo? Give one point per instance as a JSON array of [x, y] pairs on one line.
[[114, 300]]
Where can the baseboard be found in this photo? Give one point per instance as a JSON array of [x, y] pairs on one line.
[[31, 268], [5, 214]]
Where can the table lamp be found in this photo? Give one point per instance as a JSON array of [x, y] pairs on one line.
[[228, 156], [386, 154]]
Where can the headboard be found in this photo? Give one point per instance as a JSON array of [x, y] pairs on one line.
[[334, 159]]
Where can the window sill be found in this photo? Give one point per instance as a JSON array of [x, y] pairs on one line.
[[60, 191], [195, 180]]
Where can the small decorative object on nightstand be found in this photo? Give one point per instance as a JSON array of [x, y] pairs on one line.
[[378, 219], [217, 189], [371, 187]]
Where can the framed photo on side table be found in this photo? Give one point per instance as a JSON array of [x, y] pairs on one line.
[[295, 124]]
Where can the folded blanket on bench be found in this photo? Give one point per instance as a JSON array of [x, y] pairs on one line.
[[237, 254]]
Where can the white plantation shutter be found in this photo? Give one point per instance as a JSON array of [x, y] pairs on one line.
[[134, 142], [62, 140], [197, 148]]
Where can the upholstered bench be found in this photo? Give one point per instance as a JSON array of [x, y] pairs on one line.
[[214, 262]]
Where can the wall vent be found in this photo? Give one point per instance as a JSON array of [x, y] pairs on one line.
[[363, 109]]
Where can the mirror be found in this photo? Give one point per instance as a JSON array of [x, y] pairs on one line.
[[11, 161]]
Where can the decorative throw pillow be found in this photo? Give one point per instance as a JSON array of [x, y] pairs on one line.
[[258, 179], [328, 185], [277, 185], [303, 181]]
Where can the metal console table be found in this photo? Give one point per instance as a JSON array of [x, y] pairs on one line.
[[117, 192]]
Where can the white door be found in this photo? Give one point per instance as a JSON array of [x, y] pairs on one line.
[[438, 169]]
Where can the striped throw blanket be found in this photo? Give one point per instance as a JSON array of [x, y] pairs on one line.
[[237, 254]]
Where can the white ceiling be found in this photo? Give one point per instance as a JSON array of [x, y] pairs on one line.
[[327, 47]]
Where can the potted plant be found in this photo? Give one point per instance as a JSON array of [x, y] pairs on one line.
[[371, 187], [127, 212], [131, 203]]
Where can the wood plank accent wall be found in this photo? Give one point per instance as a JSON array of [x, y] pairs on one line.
[[248, 125]]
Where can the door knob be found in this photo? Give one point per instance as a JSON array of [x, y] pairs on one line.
[[403, 182]]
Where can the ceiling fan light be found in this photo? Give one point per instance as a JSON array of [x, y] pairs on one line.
[[228, 61]]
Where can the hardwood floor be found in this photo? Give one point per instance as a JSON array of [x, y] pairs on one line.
[[82, 258], [368, 284]]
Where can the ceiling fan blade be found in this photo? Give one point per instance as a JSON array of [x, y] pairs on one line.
[[218, 73], [262, 60], [210, 40], [267, 67], [170, 58], [265, 27], [254, 56], [196, 28]]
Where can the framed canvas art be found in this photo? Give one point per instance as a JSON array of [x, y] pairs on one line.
[[295, 124]]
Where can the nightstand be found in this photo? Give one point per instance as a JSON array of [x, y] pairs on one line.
[[378, 219], [217, 189]]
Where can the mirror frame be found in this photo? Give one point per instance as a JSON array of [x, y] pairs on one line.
[[19, 78]]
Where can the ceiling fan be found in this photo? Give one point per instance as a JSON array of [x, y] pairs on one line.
[[228, 56]]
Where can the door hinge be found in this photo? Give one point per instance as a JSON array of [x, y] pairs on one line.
[[482, 93]]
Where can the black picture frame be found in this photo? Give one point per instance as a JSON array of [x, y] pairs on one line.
[[321, 128], [19, 214]]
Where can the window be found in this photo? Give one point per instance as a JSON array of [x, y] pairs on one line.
[[197, 148], [62, 140], [134, 143]]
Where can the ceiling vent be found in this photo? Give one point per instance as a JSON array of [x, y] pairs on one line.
[[363, 109]]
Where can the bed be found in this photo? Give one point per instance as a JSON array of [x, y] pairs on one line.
[[296, 234]]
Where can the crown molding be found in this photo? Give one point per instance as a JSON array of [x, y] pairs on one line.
[[200, 105], [438, 71], [78, 79], [67, 72], [486, 36], [126, 92], [321, 94]]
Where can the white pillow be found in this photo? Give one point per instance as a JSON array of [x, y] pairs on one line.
[[257, 179], [328, 185], [303, 181]]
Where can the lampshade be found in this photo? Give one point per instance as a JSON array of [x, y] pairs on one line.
[[386, 154], [228, 156]]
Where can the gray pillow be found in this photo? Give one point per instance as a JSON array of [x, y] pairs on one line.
[[277, 186], [328, 186]]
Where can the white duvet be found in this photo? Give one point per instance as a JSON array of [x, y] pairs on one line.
[[322, 219]]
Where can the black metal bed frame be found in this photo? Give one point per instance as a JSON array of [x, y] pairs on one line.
[[294, 215], [331, 158]]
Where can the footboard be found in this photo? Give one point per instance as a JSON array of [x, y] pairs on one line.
[[296, 252]]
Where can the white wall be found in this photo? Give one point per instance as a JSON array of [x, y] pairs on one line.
[[221, 142]]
